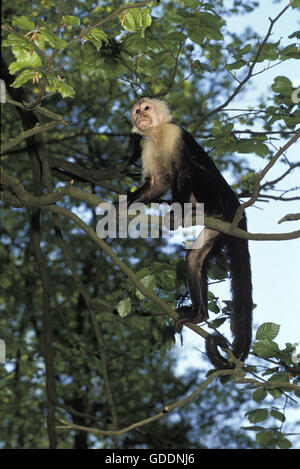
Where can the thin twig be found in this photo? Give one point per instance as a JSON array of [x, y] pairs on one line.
[[258, 177], [39, 51], [249, 74], [278, 154], [108, 18], [167, 409]]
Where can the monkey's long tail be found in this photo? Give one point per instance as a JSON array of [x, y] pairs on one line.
[[241, 317]]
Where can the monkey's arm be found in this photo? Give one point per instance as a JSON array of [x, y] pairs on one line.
[[136, 148], [150, 191]]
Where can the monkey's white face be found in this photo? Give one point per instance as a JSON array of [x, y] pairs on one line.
[[145, 115]]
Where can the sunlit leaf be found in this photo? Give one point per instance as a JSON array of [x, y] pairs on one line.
[[23, 22]]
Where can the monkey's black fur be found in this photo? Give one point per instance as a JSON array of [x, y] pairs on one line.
[[193, 175]]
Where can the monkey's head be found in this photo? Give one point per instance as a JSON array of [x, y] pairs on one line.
[[148, 114]]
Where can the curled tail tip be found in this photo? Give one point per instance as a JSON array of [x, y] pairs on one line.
[[211, 344], [219, 361]]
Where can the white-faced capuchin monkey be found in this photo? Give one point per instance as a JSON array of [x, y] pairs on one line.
[[172, 159]]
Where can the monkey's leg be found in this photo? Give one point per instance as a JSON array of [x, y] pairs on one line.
[[197, 261]]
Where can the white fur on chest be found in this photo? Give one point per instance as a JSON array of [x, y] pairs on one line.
[[160, 150]]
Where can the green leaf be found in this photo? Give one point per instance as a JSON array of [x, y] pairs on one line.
[[283, 442], [296, 34], [235, 65], [296, 4], [167, 279], [254, 428], [55, 41], [205, 25], [97, 37], [134, 44], [71, 20], [16, 42], [136, 20], [277, 415], [269, 52], [267, 330], [246, 49], [245, 145], [145, 66], [142, 273], [259, 395], [23, 77], [124, 307], [265, 348], [211, 296], [275, 393], [265, 438], [282, 85], [197, 36], [173, 15], [201, 67], [261, 149], [61, 86], [257, 415], [281, 376], [24, 54], [216, 323], [149, 283], [23, 22], [175, 36], [212, 306], [191, 3], [290, 52]]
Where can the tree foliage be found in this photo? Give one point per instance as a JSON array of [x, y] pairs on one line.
[[88, 322]]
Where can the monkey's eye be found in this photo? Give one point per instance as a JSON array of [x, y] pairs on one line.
[[137, 111], [147, 108]]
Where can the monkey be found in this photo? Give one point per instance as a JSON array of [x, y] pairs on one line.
[[173, 160]]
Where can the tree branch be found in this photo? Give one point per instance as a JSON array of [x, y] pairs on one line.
[[37, 129], [249, 74], [25, 200], [167, 409], [258, 177], [290, 217]]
